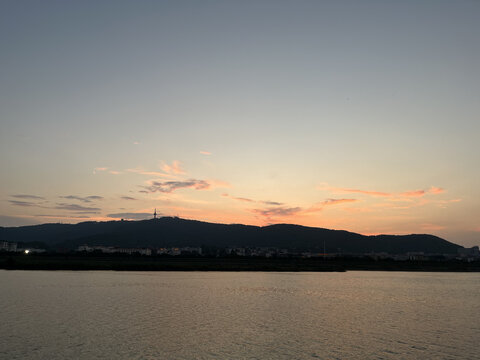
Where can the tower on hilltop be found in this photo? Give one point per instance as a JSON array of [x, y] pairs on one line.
[[155, 214]]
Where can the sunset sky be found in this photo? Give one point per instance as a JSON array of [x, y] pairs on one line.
[[355, 115]]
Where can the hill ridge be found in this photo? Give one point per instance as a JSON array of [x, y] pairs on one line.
[[174, 231]]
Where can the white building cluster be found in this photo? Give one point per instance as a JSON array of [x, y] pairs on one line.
[[172, 251], [268, 252], [175, 251], [469, 254], [13, 247], [115, 250], [8, 246]]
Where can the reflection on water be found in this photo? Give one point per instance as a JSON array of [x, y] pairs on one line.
[[214, 315]]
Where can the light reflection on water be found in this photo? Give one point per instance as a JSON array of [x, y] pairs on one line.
[[215, 315]]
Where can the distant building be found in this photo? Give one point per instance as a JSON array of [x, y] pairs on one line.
[[176, 251], [114, 250], [8, 246], [84, 248], [162, 251], [472, 253], [131, 251], [235, 251], [381, 255], [187, 250], [416, 256]]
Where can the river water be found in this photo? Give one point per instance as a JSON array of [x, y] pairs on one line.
[[239, 315]]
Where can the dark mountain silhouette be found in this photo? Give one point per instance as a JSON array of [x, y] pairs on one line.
[[172, 231]]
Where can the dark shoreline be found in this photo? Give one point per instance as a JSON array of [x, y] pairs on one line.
[[143, 263]]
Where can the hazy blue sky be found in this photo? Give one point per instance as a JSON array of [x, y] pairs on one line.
[[357, 115]]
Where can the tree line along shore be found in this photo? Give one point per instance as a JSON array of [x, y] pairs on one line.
[[165, 263]]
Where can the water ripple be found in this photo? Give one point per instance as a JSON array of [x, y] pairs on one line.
[[127, 315]]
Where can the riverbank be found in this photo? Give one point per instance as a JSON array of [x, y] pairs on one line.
[[144, 263]]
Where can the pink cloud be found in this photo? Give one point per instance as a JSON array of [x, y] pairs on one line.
[[113, 172], [436, 190], [414, 193], [219, 184], [358, 191], [337, 201], [99, 169], [401, 199], [175, 168], [205, 153], [443, 203]]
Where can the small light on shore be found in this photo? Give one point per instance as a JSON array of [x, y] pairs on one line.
[[27, 251]]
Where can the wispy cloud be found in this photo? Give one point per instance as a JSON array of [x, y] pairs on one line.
[[357, 191], [142, 171], [243, 199], [450, 201], [128, 198], [443, 203], [278, 211], [328, 202], [54, 216], [136, 143], [25, 196], [218, 184], [406, 194], [205, 153], [22, 203], [170, 186], [131, 216], [337, 201], [282, 211], [61, 206], [97, 169], [86, 199], [175, 168], [76, 207], [273, 203], [103, 169], [94, 197]]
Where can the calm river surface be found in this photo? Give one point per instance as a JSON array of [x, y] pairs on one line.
[[242, 315]]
